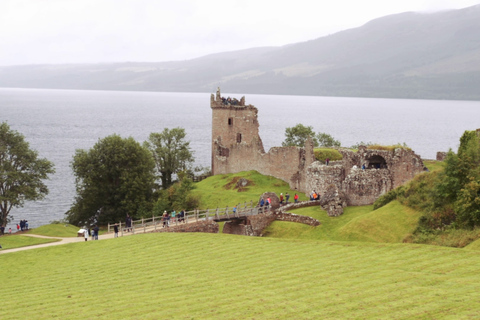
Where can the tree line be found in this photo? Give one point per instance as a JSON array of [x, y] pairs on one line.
[[116, 177]]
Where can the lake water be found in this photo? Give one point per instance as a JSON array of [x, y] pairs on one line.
[[57, 122]]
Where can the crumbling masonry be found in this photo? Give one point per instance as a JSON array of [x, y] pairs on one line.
[[237, 146]]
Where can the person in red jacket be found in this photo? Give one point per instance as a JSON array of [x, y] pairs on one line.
[[295, 198]]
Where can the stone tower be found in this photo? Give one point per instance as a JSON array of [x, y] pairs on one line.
[[237, 146]]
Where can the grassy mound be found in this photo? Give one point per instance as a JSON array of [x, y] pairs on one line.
[[224, 190], [219, 276], [56, 230], [390, 224], [321, 154]]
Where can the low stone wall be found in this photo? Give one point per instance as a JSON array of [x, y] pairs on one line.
[[251, 226], [291, 217], [301, 204], [259, 222], [200, 226]]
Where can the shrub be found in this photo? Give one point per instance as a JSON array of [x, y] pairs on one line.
[[388, 197]]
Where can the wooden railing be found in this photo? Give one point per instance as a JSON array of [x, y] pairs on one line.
[[218, 214]]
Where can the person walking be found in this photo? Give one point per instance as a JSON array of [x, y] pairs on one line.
[[287, 196], [85, 233], [128, 223], [95, 232], [164, 218], [115, 230], [295, 197]]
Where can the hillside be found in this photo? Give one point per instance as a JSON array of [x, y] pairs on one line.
[[408, 55]]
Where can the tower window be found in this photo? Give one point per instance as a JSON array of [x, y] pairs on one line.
[[230, 121], [239, 137]]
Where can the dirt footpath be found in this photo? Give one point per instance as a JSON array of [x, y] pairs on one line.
[[62, 241]]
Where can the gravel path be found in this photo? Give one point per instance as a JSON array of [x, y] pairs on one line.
[[62, 241]]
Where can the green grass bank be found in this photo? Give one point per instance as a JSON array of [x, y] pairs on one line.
[[216, 276]]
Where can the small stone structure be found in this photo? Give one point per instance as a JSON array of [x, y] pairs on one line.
[[237, 146], [441, 155]]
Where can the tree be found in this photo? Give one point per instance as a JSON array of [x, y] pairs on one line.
[[326, 140], [114, 178], [21, 172], [171, 152], [177, 197], [296, 136]]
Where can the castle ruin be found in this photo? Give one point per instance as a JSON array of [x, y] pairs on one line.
[[359, 179]]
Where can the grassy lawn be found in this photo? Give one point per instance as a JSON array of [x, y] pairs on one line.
[[56, 230], [220, 191], [433, 165], [17, 241], [216, 276]]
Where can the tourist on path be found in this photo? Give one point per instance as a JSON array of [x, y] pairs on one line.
[[128, 223], [164, 218], [327, 161], [95, 232], [115, 229], [281, 198], [287, 196], [85, 233], [295, 197]]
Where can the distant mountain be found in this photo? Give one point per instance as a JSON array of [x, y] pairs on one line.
[[407, 55]]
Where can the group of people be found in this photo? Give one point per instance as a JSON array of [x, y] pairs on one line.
[[22, 226], [314, 195], [173, 217], [283, 200], [93, 232], [230, 101]]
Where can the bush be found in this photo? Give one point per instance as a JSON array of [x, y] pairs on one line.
[[388, 197], [457, 238], [321, 154]]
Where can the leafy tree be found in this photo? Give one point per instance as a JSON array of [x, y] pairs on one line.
[[177, 197], [171, 152], [296, 136], [114, 178], [326, 140], [21, 172]]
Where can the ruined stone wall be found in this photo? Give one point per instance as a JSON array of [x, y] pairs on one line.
[[251, 226], [363, 187], [200, 226], [321, 176], [385, 170], [291, 217], [237, 146]]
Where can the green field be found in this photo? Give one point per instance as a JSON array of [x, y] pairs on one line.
[[17, 241], [350, 267], [216, 276]]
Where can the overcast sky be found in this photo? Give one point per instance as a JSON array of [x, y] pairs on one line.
[[91, 31]]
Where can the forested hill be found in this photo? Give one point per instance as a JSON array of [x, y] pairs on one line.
[[407, 55]]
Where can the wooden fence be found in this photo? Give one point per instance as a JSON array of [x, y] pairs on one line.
[[218, 214]]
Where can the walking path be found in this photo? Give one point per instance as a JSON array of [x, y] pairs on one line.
[[56, 243]]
